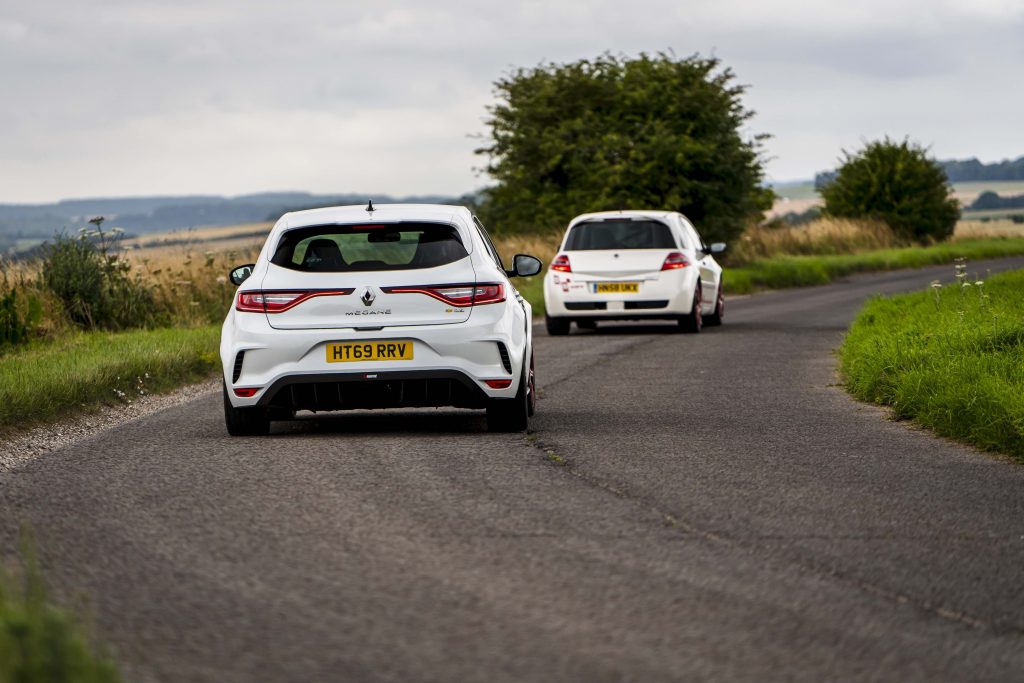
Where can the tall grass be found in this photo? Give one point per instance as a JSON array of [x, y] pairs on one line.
[[981, 230], [825, 236], [949, 357], [191, 287]]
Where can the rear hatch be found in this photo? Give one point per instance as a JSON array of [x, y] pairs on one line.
[[619, 247], [617, 264], [377, 275]]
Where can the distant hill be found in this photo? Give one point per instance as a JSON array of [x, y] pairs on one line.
[[26, 223], [961, 171]]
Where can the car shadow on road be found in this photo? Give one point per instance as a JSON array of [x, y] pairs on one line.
[[393, 421], [626, 327]]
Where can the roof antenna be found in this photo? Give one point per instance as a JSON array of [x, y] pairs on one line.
[[369, 207]]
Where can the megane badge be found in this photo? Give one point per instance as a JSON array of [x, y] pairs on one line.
[[368, 297]]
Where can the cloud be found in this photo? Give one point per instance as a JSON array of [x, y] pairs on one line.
[[117, 97]]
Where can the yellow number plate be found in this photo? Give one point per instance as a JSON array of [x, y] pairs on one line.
[[346, 352], [616, 287]]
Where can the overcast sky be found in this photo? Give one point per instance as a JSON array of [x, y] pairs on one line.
[[129, 98]]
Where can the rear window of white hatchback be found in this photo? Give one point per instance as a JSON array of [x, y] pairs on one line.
[[619, 234], [359, 248]]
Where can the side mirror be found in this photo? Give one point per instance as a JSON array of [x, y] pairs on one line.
[[716, 248], [241, 274], [524, 266]]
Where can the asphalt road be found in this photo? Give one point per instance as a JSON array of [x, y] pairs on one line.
[[689, 507]]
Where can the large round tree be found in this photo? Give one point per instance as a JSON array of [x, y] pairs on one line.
[[617, 133], [898, 183]]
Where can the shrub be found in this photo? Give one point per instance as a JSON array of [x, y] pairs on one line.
[[897, 183], [94, 284]]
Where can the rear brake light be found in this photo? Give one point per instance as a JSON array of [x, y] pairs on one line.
[[246, 392], [276, 302], [561, 264], [498, 383], [674, 260], [457, 295]]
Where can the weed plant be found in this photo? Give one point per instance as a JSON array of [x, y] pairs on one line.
[[39, 642]]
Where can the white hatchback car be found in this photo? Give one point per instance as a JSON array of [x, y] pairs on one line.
[[378, 307], [633, 265]]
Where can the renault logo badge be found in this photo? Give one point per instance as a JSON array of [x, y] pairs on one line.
[[368, 297]]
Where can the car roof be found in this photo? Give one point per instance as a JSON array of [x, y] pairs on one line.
[[630, 213], [384, 213]]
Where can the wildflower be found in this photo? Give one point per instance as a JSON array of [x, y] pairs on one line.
[[936, 284], [979, 283]]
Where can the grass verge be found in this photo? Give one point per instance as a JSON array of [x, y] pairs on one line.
[[40, 643], [803, 271], [49, 379], [949, 358]]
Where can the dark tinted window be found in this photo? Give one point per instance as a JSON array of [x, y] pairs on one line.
[[620, 235], [355, 248]]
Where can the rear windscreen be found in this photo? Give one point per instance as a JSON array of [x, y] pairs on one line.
[[355, 248], [620, 235]]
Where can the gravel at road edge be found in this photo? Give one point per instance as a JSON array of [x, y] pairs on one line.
[[22, 447]]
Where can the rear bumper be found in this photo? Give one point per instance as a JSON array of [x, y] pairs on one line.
[[669, 295], [394, 389]]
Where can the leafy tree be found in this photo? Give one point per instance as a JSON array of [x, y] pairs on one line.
[[616, 133], [897, 183]]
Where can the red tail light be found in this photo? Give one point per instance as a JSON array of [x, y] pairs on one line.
[[456, 295], [561, 264], [498, 383], [674, 260], [274, 301], [246, 392]]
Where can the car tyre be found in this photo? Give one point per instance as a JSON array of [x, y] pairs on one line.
[[557, 327], [694, 321], [510, 414], [716, 318], [245, 421]]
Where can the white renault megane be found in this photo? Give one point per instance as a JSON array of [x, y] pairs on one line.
[[378, 307], [633, 265]]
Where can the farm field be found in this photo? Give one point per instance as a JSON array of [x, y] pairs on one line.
[[797, 197]]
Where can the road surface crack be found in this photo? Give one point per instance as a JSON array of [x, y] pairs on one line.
[[672, 521]]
